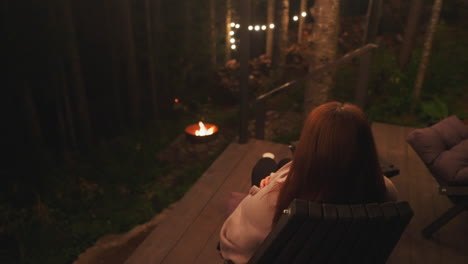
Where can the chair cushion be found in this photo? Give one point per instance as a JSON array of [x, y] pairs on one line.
[[427, 144], [451, 131], [443, 147], [452, 165]]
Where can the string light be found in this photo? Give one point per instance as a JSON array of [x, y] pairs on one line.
[[263, 27], [231, 33], [295, 18], [232, 40], [233, 46], [303, 14], [257, 28], [272, 26], [237, 26], [233, 24], [250, 28]]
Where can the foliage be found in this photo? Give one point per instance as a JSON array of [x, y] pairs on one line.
[[120, 183], [390, 97]]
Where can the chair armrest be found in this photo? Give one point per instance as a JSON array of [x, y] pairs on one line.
[[454, 190]]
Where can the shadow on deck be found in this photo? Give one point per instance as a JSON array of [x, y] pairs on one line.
[[189, 234]]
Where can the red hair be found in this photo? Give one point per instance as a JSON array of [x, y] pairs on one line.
[[335, 160]]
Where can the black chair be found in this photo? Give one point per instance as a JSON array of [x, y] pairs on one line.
[[311, 232], [443, 147]]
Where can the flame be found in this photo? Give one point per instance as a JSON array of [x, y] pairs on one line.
[[203, 131]]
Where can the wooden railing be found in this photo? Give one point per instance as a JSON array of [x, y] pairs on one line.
[[260, 101]]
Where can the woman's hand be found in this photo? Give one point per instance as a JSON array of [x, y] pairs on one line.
[[265, 181]]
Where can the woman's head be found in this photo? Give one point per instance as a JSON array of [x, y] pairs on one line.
[[335, 160]]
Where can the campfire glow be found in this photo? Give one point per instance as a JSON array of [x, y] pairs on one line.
[[203, 131]]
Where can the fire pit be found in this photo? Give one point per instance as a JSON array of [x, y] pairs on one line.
[[201, 133]]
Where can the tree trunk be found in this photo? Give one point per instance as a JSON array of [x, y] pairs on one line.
[[300, 31], [411, 31], [283, 37], [228, 29], [427, 49], [318, 89], [32, 117], [115, 63], [134, 89], [374, 13], [213, 48], [270, 31], [68, 113], [160, 65], [79, 90], [151, 60]]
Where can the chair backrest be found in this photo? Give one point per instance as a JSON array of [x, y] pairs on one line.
[[311, 232]]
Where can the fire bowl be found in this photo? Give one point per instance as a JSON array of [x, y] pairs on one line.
[[193, 138]]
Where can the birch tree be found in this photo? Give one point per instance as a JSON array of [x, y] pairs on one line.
[[318, 89]]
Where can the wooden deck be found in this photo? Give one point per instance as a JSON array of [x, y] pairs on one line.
[[190, 232]]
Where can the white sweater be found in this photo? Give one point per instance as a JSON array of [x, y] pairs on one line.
[[250, 223]]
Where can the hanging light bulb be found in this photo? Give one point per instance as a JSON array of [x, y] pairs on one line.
[[237, 26], [231, 33], [264, 27], [303, 14], [257, 28], [250, 27], [295, 18], [233, 46], [232, 40], [272, 26], [233, 24]]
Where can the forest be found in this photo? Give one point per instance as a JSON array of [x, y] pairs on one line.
[[95, 90]]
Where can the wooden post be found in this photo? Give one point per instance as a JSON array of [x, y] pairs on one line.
[[374, 12], [244, 69]]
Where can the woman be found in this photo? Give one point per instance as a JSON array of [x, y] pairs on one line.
[[335, 162]]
